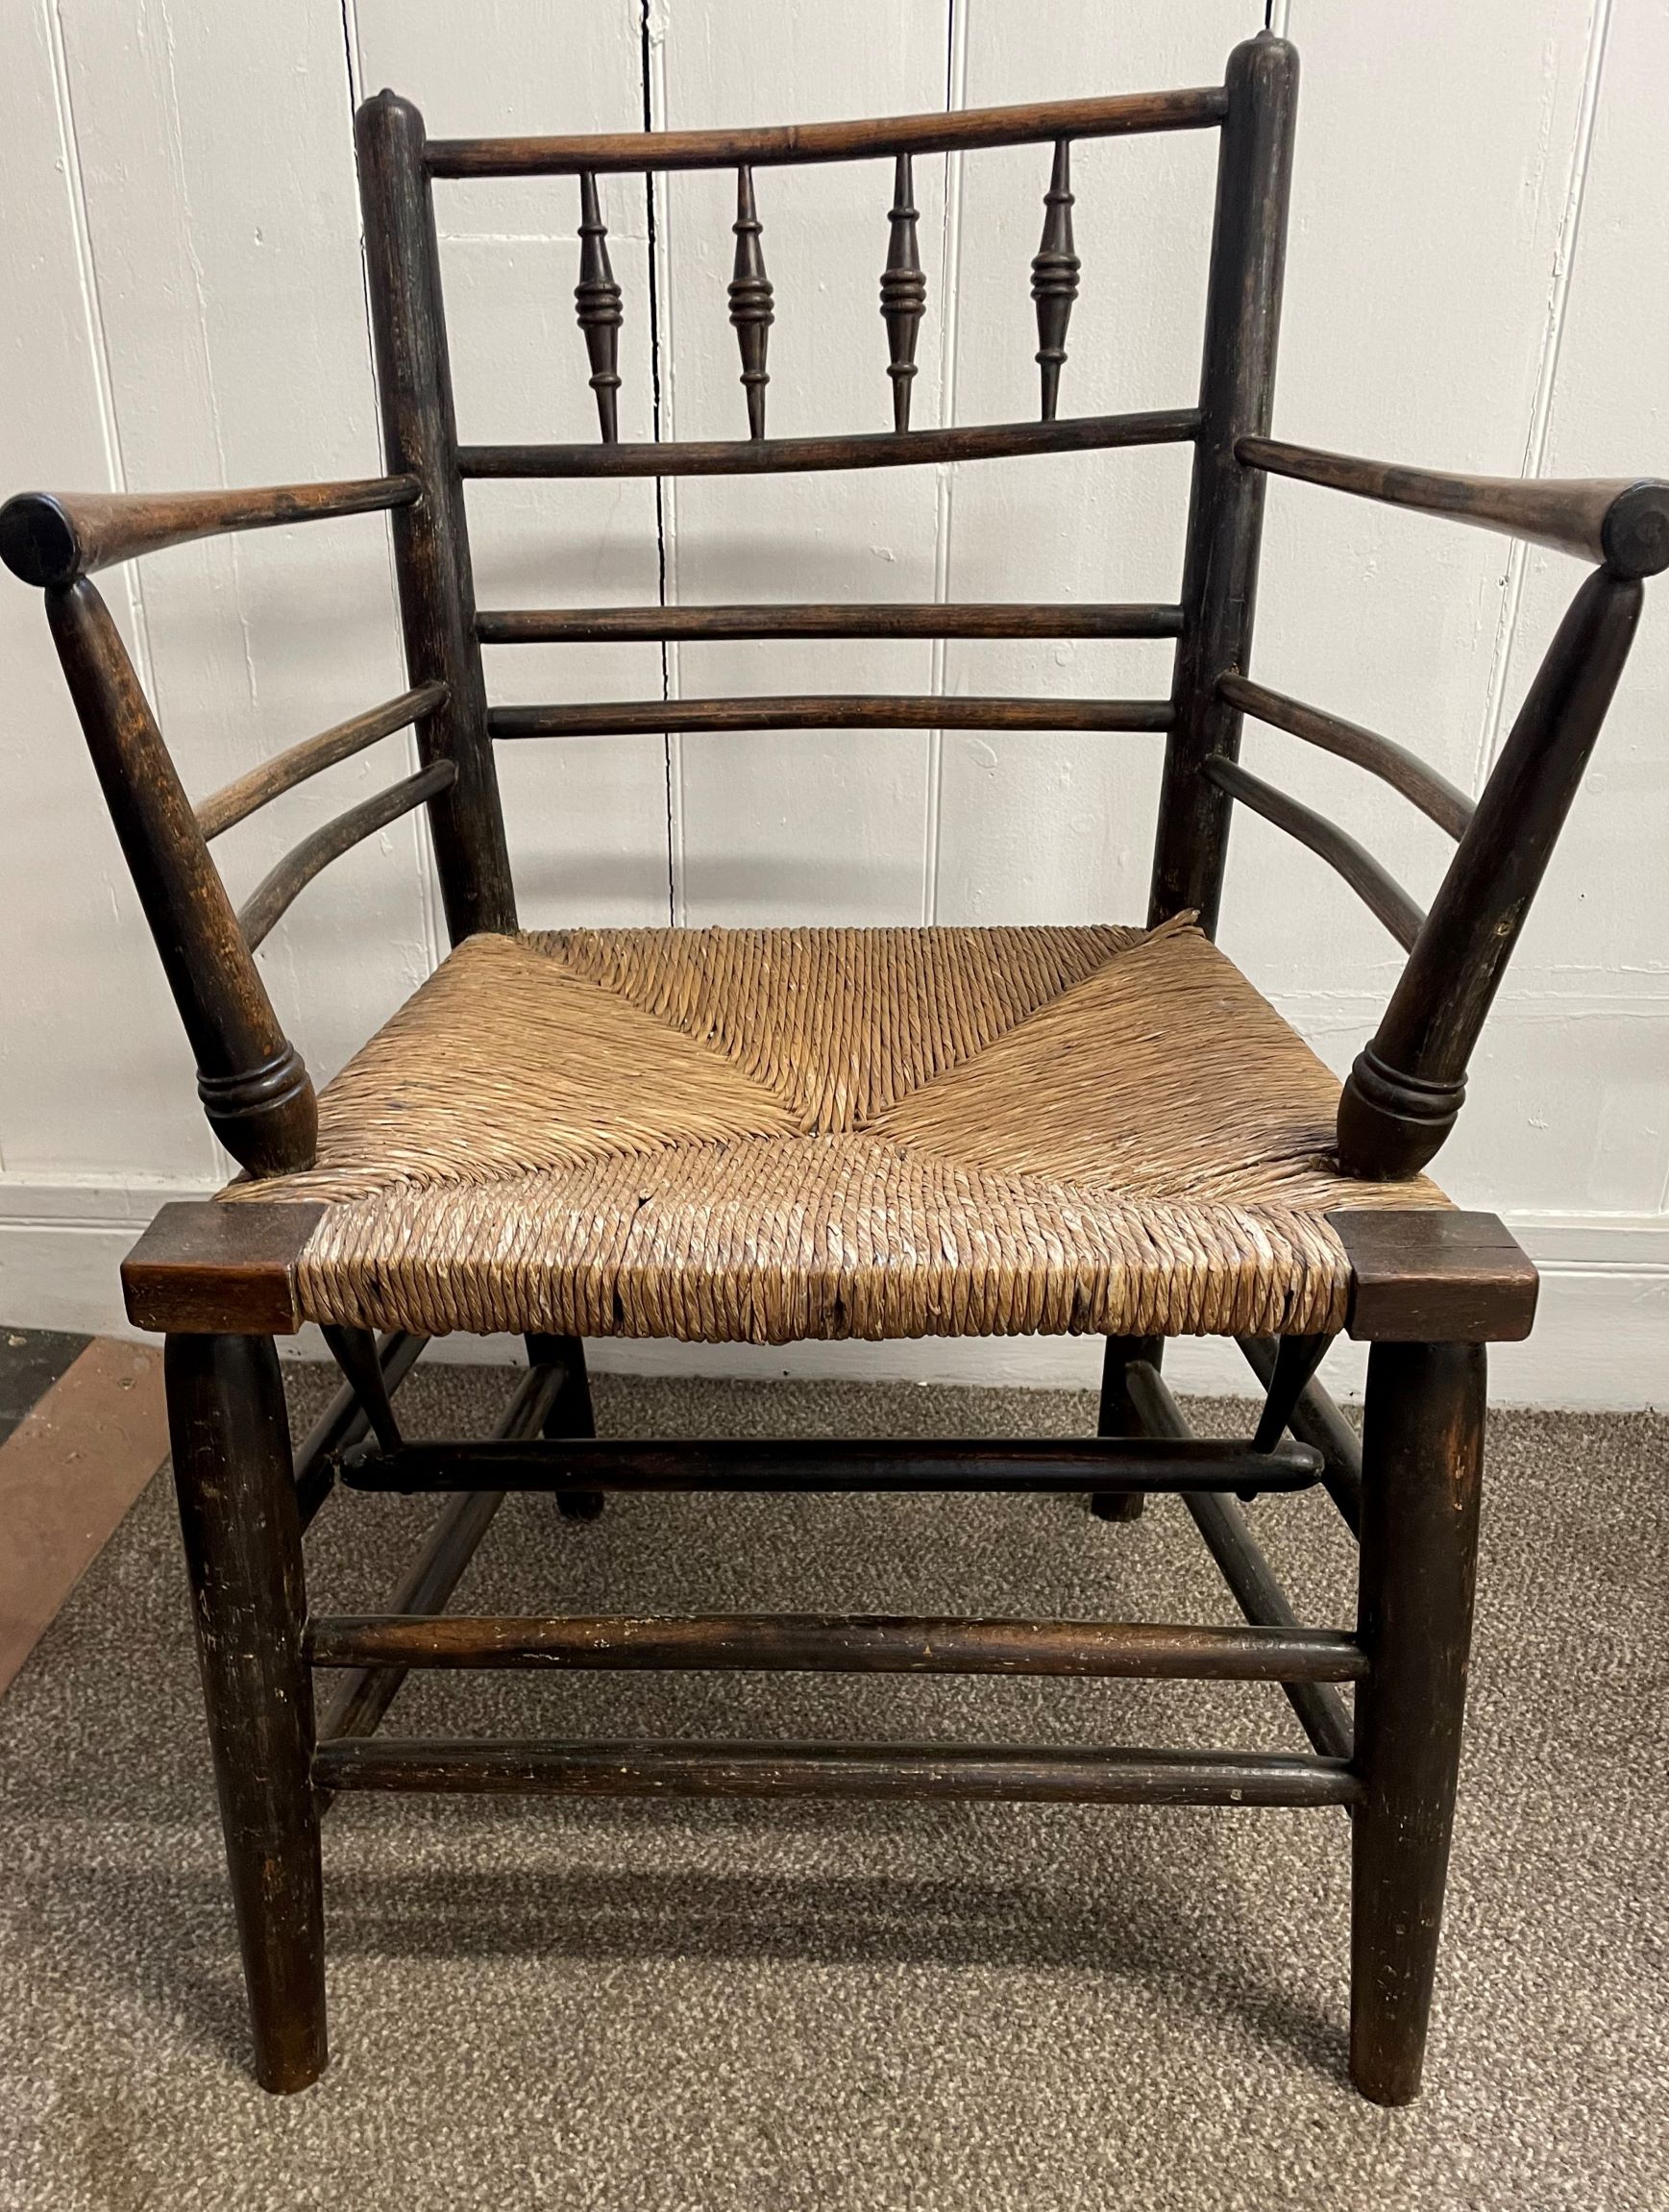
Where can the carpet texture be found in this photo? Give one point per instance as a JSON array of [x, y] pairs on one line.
[[787, 2007]]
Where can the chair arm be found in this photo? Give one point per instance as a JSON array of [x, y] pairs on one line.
[[1620, 522], [51, 540]]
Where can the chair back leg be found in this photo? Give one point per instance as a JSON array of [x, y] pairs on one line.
[[1422, 1453], [243, 1549]]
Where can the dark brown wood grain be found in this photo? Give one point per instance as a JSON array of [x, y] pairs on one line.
[[835, 1463], [236, 801], [1118, 1415], [1383, 895], [51, 538], [1407, 1086], [1422, 1455], [243, 1549], [1430, 1272], [1622, 522], [841, 1643], [828, 710], [1226, 502], [1041, 1775], [866, 139], [1055, 279], [903, 290], [278, 891], [1318, 1421], [205, 1267], [596, 304], [863, 450], [541, 626], [255, 1089], [1252, 1582], [432, 550], [344, 1422], [1433, 793]]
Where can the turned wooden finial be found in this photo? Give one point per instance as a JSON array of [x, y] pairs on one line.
[[596, 304], [1055, 277], [903, 293], [751, 298]]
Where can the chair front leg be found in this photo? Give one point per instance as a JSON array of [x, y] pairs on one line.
[[1422, 1454], [238, 1515]]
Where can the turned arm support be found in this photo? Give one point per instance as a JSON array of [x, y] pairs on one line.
[[51, 539], [1404, 1092], [1621, 523]]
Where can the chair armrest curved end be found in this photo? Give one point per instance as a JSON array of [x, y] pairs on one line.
[[1634, 534], [39, 541]]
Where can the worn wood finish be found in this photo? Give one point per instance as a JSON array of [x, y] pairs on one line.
[[570, 1412], [903, 290], [840, 1644], [1252, 1582], [344, 1422], [1194, 108], [597, 305], [1382, 894], [826, 710], [1225, 517], [835, 1463], [903, 618], [1432, 1273], [1403, 1093], [1118, 1415], [1422, 1455], [865, 449], [1055, 279], [1433, 793], [1318, 1421], [278, 891], [51, 538], [751, 313], [432, 553], [1621, 522], [243, 1551], [362, 1698], [203, 1269], [236, 801], [255, 1089], [1043, 1776]]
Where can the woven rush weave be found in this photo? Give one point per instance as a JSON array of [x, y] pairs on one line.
[[763, 1135]]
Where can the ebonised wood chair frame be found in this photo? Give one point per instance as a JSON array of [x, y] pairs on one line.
[[1430, 1287]]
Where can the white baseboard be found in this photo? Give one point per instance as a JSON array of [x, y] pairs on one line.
[[1601, 1336]]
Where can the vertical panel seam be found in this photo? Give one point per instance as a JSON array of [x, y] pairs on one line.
[[1538, 428], [945, 483], [651, 68]]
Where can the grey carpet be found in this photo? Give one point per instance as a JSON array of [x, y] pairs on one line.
[[796, 2005]]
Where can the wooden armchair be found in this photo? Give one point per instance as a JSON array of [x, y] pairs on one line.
[[770, 1134]]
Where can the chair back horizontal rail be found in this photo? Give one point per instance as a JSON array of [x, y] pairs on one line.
[[969, 1771], [277, 891], [839, 1643], [1380, 892], [868, 138], [836, 710], [832, 1464], [619, 625], [1433, 793], [50, 539], [1620, 522], [861, 450], [236, 801]]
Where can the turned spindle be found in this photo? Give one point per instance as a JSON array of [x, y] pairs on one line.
[[903, 293], [751, 308], [1055, 277], [596, 304]]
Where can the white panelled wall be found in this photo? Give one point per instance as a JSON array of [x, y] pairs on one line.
[[1478, 278]]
